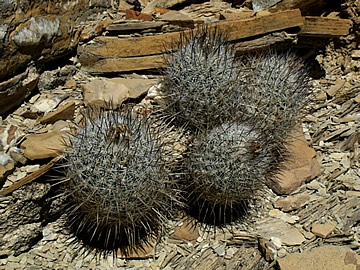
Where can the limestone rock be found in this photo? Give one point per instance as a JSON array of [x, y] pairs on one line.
[[322, 258], [101, 92], [7, 165], [283, 216], [323, 230], [287, 234], [187, 232], [299, 168], [46, 104], [177, 18], [22, 239], [45, 145], [64, 112], [292, 202], [51, 79]]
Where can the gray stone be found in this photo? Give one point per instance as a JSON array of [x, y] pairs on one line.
[[22, 238], [287, 234], [263, 4], [39, 30]]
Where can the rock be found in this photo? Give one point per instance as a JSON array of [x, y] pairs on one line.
[[300, 167], [355, 54], [9, 136], [37, 30], [18, 155], [136, 15], [70, 84], [46, 104], [281, 215], [40, 32], [263, 4], [101, 92], [95, 30], [64, 112], [287, 234], [321, 258], [293, 202], [7, 166], [22, 238], [150, 8], [46, 145], [187, 232], [177, 18], [268, 249], [51, 79], [15, 90], [335, 88], [323, 230]]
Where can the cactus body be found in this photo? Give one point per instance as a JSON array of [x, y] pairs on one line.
[[275, 92], [227, 165], [118, 182], [199, 78]]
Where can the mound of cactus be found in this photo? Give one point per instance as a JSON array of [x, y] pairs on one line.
[[243, 110], [118, 181], [200, 76]]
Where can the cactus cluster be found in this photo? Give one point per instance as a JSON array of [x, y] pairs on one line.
[[123, 179], [243, 110], [118, 184]]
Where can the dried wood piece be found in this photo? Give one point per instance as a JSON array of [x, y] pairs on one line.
[[111, 54], [30, 178], [325, 27], [134, 26]]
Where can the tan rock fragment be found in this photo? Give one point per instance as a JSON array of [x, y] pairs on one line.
[[292, 202], [101, 92], [64, 112], [323, 230], [287, 234], [187, 232], [283, 216], [322, 258], [300, 167], [46, 145]]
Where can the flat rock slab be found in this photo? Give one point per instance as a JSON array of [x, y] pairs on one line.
[[299, 168], [45, 145], [287, 234], [322, 258], [102, 92], [323, 230], [64, 112]]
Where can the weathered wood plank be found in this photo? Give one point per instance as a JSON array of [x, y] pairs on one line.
[[134, 26], [325, 27], [111, 65], [150, 45]]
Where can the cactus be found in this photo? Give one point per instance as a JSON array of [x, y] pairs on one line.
[[200, 76], [226, 167], [275, 91], [118, 181]]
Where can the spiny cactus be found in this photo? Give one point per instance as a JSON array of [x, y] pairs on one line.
[[200, 76], [118, 180], [226, 166], [275, 90]]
